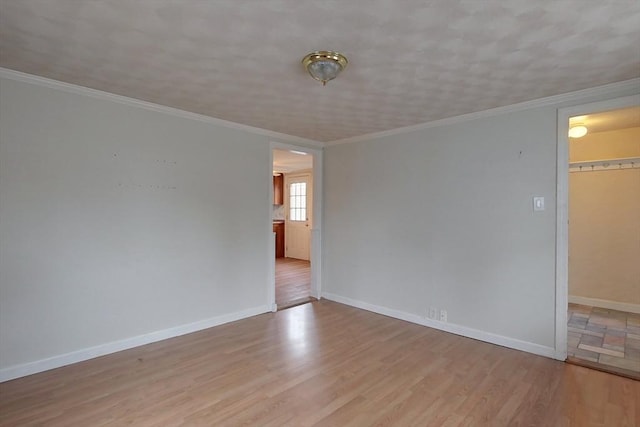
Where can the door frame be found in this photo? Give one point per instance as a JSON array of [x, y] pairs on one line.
[[562, 208], [316, 231]]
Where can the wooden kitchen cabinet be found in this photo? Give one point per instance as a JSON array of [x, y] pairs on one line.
[[278, 228], [278, 190]]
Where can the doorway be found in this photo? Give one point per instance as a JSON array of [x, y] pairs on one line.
[[599, 236], [296, 261]]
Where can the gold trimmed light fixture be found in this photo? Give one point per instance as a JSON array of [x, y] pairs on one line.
[[324, 65]]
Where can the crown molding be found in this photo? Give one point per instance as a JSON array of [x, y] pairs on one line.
[[94, 93], [612, 89]]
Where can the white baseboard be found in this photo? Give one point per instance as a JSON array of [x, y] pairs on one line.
[[448, 327], [603, 303], [18, 371]]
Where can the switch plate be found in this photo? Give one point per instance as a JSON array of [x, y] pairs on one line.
[[538, 204]]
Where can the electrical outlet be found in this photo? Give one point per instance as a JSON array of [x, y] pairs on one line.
[[443, 315], [433, 313]]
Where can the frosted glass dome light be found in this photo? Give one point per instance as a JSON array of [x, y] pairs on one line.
[[324, 65]]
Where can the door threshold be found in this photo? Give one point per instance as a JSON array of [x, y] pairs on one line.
[[296, 302], [604, 368]]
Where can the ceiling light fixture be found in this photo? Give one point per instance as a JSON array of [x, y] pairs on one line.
[[577, 131], [324, 65]]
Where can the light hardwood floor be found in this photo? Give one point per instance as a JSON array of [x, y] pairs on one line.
[[321, 364], [293, 281]]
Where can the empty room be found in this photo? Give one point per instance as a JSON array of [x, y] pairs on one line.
[[161, 161]]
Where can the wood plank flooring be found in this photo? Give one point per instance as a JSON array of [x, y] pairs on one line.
[[293, 282], [321, 364]]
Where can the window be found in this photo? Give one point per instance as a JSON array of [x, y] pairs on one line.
[[298, 201]]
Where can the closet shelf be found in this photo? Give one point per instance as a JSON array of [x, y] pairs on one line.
[[605, 165]]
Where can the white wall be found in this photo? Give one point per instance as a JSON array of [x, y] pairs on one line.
[[443, 217], [102, 242], [116, 221]]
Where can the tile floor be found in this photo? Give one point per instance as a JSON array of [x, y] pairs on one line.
[[609, 338]]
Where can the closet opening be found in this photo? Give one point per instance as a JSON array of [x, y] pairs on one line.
[[603, 276]]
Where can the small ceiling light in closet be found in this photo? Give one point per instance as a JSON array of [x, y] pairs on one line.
[[577, 131]]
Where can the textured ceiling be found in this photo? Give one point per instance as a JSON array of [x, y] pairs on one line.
[[410, 62]]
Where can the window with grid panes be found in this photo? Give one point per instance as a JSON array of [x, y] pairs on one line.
[[298, 201]]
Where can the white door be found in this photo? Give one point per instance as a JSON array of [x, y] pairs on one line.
[[298, 217]]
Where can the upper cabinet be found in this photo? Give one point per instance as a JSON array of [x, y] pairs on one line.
[[278, 190]]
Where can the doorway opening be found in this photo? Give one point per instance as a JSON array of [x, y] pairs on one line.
[[602, 211], [293, 218]]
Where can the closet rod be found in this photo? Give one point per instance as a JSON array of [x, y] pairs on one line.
[[605, 165]]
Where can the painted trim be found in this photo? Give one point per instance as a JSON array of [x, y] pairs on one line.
[[603, 303], [132, 102], [18, 371], [316, 250], [448, 327], [627, 85], [271, 280], [316, 231], [271, 250], [562, 207], [562, 234]]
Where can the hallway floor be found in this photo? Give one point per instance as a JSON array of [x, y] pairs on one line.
[[293, 282], [604, 339]]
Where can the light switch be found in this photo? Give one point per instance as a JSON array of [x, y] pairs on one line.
[[538, 204]]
